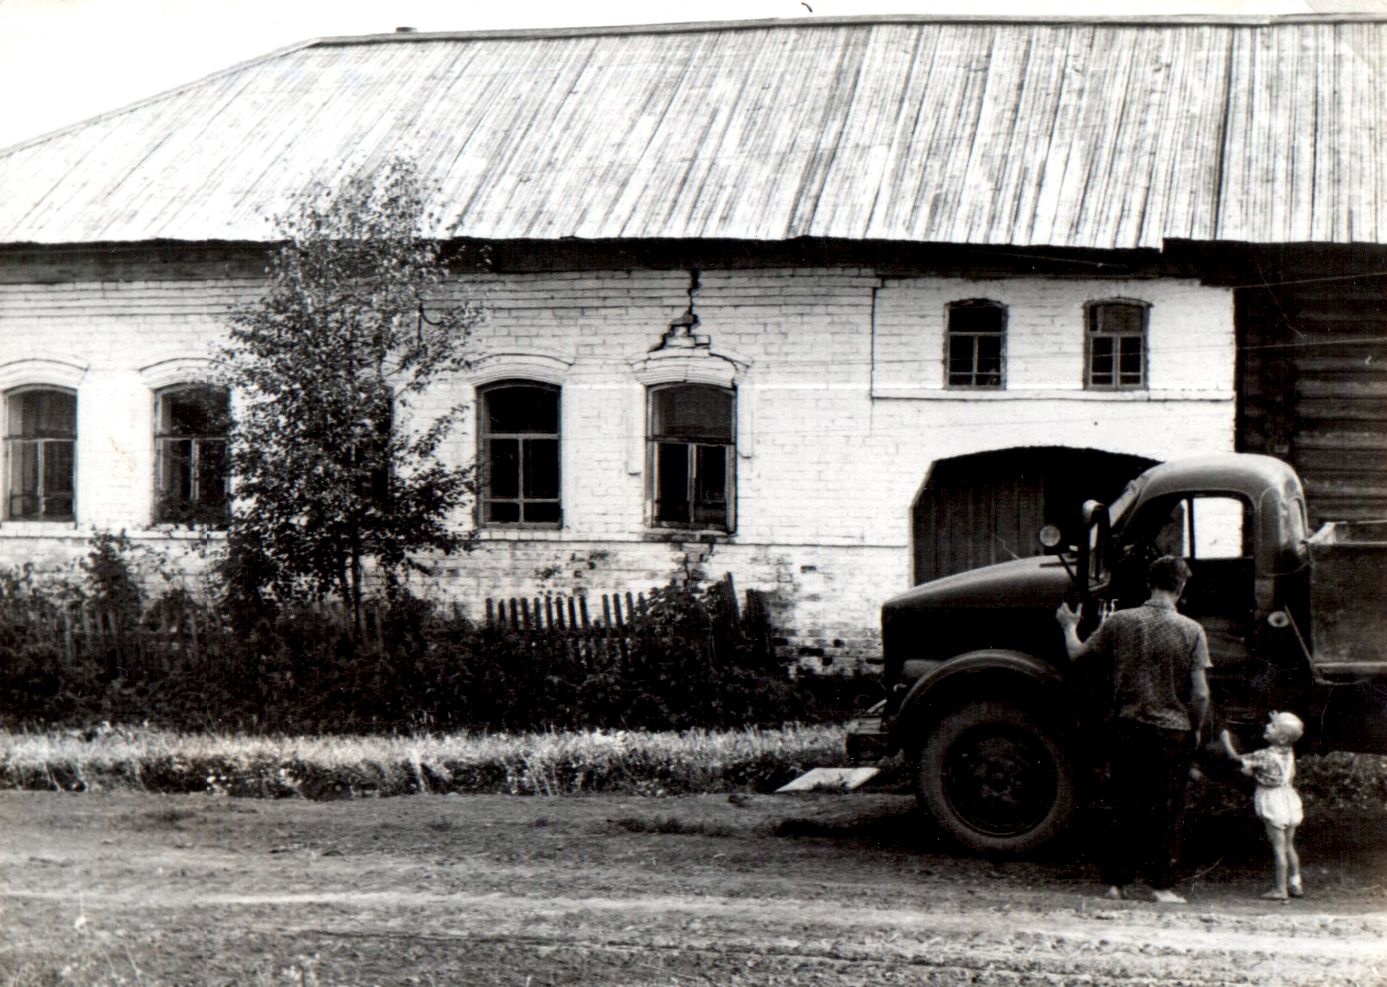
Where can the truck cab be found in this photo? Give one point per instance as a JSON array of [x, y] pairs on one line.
[[1001, 732]]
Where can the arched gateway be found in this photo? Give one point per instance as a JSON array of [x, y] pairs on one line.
[[987, 507]]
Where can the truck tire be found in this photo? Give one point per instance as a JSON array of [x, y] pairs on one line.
[[996, 779]]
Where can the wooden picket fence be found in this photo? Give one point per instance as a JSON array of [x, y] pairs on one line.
[[89, 633], [170, 636], [571, 621]]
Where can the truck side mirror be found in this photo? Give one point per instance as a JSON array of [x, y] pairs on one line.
[[1051, 539]]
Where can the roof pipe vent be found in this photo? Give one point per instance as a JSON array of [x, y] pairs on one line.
[[405, 30]]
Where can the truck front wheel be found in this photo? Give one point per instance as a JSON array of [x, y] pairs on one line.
[[996, 779]]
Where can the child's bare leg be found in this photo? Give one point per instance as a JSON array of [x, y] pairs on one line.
[[1293, 885], [1277, 838]]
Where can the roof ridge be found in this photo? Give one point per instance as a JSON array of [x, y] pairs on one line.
[[852, 20]]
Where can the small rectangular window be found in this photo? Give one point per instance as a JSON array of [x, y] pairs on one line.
[[1116, 345], [976, 355]]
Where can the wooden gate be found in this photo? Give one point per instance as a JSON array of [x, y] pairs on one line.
[[984, 508]]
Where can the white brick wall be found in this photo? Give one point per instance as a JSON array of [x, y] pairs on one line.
[[843, 409]]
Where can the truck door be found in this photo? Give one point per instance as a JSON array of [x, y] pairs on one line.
[[1214, 533]]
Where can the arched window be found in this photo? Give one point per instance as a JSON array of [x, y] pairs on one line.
[[1115, 345], [977, 337], [40, 454], [190, 426], [519, 452], [692, 456]]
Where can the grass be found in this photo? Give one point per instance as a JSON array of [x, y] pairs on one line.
[[571, 763], [345, 767]]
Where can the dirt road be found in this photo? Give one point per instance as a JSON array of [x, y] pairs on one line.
[[824, 889]]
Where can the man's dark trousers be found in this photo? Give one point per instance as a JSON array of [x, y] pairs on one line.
[[1150, 768]]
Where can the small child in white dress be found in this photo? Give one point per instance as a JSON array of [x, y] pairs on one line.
[[1276, 801]]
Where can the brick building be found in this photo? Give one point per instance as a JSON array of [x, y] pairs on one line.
[[833, 306]]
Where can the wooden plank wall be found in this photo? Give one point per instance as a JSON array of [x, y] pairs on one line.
[[1313, 375]]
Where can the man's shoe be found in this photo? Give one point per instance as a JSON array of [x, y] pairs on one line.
[[1166, 897], [1295, 889]]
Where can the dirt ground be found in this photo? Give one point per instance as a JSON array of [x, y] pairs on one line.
[[123, 888]]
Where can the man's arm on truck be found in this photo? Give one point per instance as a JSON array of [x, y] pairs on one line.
[[1069, 624]]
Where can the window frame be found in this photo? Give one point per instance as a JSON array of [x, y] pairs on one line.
[[691, 464], [189, 511], [1092, 313], [40, 442], [485, 436], [975, 337]]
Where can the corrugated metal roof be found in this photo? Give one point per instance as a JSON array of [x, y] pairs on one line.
[[1100, 134]]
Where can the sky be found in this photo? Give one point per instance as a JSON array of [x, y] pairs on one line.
[[63, 61]]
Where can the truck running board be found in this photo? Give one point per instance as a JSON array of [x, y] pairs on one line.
[[830, 780]]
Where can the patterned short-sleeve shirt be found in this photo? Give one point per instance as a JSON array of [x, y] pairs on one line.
[[1152, 652], [1273, 767]]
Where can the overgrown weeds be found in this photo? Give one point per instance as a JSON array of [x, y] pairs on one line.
[[551, 763]]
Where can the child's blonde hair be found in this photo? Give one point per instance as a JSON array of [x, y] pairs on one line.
[[1289, 724]]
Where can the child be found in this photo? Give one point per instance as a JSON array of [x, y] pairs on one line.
[[1276, 803]]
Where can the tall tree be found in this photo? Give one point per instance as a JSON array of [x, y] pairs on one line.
[[334, 459]]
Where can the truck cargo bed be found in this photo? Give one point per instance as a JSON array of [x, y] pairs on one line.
[[1348, 598]]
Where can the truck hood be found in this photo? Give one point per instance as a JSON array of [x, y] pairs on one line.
[[1034, 582], [1008, 606]]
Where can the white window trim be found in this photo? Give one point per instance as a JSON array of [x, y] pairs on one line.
[[179, 371], [42, 371], [519, 365]]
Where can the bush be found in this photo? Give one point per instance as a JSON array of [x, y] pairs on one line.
[[222, 663]]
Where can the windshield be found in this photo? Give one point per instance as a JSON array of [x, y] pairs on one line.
[[1123, 502]]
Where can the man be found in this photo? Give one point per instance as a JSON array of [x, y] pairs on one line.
[[1157, 661]]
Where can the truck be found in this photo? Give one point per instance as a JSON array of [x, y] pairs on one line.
[[1000, 731]]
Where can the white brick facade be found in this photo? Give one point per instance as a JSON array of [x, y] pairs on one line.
[[841, 410]]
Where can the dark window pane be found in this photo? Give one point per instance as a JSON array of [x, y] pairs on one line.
[[522, 408], [57, 468], [23, 481], [542, 468], [691, 412], [546, 512], [176, 481], [1130, 359], [24, 467], [503, 467], [1117, 318], [977, 318], [672, 483], [194, 411], [710, 485], [502, 511], [989, 351], [211, 472], [961, 352], [42, 413], [1101, 360]]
